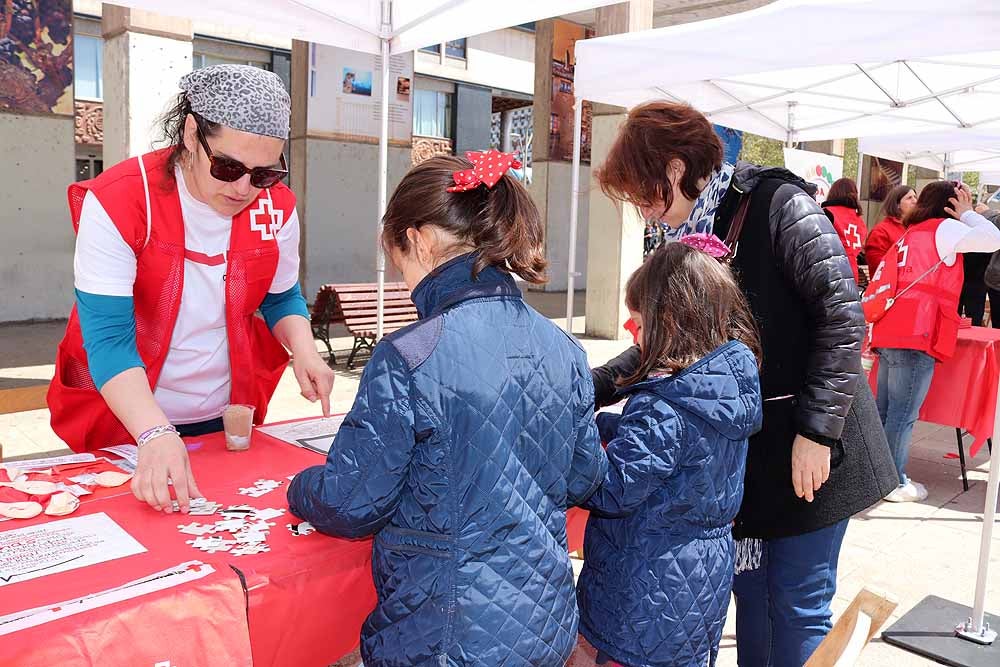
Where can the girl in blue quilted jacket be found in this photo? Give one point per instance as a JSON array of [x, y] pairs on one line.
[[472, 433], [659, 554]]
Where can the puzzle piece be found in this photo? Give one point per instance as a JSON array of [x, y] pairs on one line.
[[237, 511], [250, 537], [260, 487], [267, 514], [195, 528], [231, 525], [300, 529], [259, 526], [212, 545], [250, 550]]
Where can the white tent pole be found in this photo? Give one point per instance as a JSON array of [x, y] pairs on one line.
[[383, 172], [574, 212], [791, 125], [975, 629]]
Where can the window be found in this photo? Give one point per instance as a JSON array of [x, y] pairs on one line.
[[88, 57], [455, 48], [433, 48], [432, 113], [200, 60], [88, 167]]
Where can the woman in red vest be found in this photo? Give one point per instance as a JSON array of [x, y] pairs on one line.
[[921, 327], [899, 202], [843, 207], [176, 252]]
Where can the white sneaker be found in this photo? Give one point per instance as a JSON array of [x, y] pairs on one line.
[[910, 492]]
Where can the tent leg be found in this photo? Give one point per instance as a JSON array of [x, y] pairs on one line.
[[574, 213], [383, 178]]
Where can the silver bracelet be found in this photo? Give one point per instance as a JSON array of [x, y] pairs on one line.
[[154, 433]]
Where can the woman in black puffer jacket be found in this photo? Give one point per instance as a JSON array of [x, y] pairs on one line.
[[821, 456]]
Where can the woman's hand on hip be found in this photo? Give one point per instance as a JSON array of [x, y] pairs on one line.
[[162, 459], [315, 378], [810, 466]]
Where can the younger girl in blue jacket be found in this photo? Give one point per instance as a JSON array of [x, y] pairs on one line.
[[472, 432], [659, 553]]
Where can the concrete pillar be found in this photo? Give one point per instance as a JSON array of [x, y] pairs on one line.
[[144, 56], [614, 248]]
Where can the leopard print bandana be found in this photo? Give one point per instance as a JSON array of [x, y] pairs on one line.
[[242, 97]]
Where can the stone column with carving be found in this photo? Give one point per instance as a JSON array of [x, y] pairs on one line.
[[144, 56]]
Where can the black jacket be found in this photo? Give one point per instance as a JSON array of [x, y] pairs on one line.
[[800, 286]]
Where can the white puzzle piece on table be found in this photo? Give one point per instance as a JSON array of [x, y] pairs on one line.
[[250, 537], [195, 528], [212, 545], [230, 525], [267, 514], [250, 550], [300, 529]]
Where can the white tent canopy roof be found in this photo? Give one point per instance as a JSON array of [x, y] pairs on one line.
[[357, 24], [861, 67], [972, 149]]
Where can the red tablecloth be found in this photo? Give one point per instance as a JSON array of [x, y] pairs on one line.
[[963, 393], [305, 600]]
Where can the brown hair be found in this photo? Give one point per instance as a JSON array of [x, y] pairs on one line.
[[654, 134], [690, 305], [931, 203], [844, 190], [501, 222], [172, 129], [890, 207]]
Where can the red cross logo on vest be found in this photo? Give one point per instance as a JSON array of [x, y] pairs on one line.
[[904, 250], [854, 236], [272, 219]]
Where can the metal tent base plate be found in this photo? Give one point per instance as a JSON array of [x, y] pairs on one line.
[[928, 630]]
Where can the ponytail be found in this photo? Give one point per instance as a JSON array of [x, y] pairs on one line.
[[500, 223]]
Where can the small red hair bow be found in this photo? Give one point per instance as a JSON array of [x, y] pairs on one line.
[[488, 168]]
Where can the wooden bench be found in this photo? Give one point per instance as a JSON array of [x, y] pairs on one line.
[[355, 305]]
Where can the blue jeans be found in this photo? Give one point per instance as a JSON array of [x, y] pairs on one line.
[[783, 607], [904, 378]]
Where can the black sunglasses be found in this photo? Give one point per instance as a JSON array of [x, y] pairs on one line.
[[228, 170]]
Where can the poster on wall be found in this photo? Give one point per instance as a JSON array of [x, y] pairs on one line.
[[565, 34], [36, 56], [345, 94], [819, 169], [878, 176]]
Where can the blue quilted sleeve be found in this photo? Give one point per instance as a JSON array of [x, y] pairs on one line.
[[357, 491], [607, 425], [589, 460], [643, 454]]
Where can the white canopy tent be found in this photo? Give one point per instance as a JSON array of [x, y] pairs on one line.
[[799, 70], [382, 27], [962, 149]]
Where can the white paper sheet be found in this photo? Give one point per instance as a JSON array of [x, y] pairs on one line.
[[314, 434], [58, 546], [129, 454], [36, 464], [157, 581]]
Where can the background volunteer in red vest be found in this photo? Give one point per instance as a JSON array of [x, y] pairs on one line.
[[176, 251], [921, 327], [900, 201], [843, 207]]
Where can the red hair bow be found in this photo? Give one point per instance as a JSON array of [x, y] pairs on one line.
[[488, 168]]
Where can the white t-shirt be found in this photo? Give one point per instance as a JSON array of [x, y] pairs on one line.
[[973, 233], [194, 383]]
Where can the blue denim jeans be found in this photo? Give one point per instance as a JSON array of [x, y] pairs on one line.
[[783, 607], [904, 378]]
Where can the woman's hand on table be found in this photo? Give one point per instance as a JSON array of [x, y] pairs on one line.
[[810, 466], [162, 459], [315, 378]]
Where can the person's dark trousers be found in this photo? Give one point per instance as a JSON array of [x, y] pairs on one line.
[[973, 303], [994, 307], [783, 607]]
